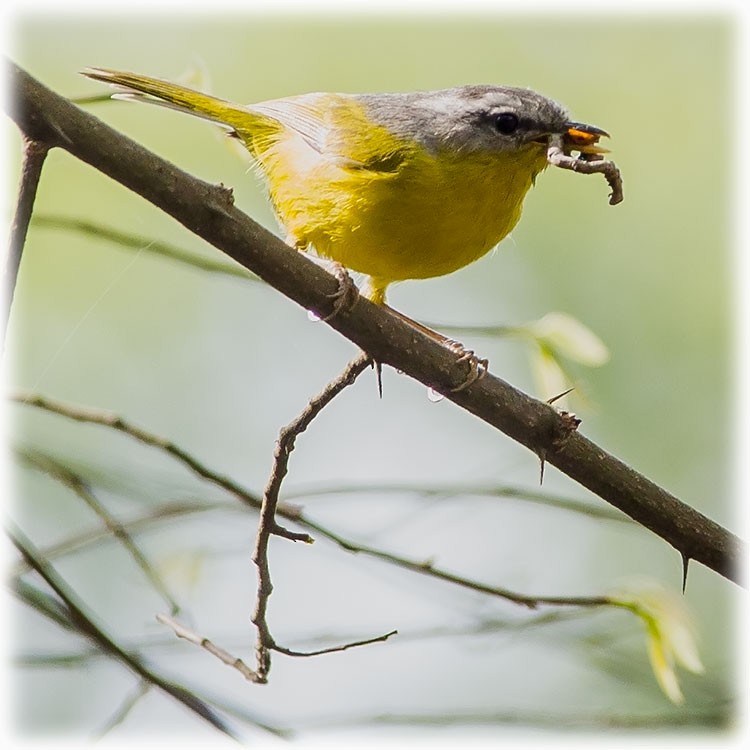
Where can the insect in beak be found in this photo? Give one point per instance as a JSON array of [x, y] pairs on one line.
[[583, 138]]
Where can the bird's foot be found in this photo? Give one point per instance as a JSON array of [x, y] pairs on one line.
[[345, 297], [478, 368]]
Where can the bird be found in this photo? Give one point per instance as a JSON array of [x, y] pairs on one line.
[[395, 186]]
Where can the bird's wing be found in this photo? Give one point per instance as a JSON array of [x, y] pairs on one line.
[[303, 115], [336, 126]]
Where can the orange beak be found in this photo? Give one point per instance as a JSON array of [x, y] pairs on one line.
[[584, 138]]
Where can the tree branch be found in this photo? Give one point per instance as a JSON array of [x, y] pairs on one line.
[[207, 211]]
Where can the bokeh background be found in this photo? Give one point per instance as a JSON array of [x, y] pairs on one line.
[[218, 365]]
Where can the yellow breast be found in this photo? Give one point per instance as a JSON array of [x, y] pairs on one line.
[[392, 210]]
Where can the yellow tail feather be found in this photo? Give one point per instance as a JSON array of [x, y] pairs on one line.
[[164, 93]]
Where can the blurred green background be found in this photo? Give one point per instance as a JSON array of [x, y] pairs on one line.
[[219, 365]]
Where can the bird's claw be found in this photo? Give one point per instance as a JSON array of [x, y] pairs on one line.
[[477, 367], [345, 297]]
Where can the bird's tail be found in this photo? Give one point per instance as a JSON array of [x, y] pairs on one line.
[[183, 99]]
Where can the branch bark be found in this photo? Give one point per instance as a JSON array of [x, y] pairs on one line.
[[207, 211]]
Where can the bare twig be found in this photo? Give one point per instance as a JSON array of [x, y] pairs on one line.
[[208, 211], [82, 623], [471, 330], [288, 437], [34, 155], [165, 512], [42, 602], [444, 491], [717, 716], [144, 244], [124, 709], [267, 524], [482, 627], [181, 631], [81, 488], [335, 649], [427, 568], [115, 422], [224, 656]]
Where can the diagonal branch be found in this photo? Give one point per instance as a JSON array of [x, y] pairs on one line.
[[207, 211], [81, 488], [108, 419], [86, 626]]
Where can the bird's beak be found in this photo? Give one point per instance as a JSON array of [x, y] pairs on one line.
[[584, 138]]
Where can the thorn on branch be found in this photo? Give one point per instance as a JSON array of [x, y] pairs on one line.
[[555, 432], [226, 193], [560, 395], [685, 563], [378, 366]]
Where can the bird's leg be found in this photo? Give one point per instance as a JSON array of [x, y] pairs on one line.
[[345, 297], [477, 367]]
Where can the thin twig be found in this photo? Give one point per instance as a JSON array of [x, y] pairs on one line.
[[82, 489], [42, 602], [224, 656], [498, 331], [335, 649], [267, 524], [288, 437], [93, 536], [427, 568], [34, 155], [181, 631], [447, 491], [717, 716], [482, 627], [115, 422], [82, 623], [144, 244], [124, 709]]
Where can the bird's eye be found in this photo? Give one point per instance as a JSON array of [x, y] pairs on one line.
[[506, 123]]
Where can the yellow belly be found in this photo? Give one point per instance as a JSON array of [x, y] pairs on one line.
[[431, 215]]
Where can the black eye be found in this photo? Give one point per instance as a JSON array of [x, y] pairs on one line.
[[506, 123]]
